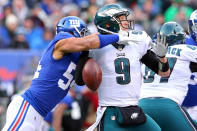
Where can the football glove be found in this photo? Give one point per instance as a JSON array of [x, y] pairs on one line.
[[161, 46], [125, 37]]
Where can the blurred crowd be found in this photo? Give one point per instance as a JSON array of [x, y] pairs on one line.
[[30, 24]]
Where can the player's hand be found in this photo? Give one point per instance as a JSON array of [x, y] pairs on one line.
[[125, 38], [161, 46]]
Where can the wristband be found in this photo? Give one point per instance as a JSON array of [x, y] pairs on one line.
[[108, 39], [161, 56], [163, 67]]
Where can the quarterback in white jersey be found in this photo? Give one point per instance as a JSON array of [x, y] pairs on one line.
[[161, 97], [121, 72]]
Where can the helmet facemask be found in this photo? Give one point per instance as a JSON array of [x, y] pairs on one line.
[[129, 18], [193, 29], [192, 22], [84, 32]]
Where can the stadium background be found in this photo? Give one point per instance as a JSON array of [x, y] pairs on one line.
[[27, 26]]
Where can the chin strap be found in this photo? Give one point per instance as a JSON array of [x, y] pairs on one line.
[[107, 31]]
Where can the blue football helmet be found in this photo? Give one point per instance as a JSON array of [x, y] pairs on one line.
[[192, 22], [73, 25]]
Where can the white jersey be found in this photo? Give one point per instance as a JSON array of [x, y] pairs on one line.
[[121, 72], [175, 86]]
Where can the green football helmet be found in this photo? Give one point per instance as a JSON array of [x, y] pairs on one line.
[[174, 33], [107, 21]]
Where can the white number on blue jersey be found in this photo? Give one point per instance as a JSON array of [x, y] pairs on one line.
[[69, 76], [36, 75]]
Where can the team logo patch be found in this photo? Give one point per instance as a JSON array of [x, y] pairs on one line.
[[74, 23], [134, 115], [113, 118]]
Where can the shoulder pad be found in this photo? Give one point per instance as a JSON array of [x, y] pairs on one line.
[[187, 52], [139, 35]]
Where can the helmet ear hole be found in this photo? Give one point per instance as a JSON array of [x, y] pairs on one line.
[[107, 25], [71, 32]]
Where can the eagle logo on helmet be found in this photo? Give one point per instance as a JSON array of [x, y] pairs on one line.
[[110, 12]]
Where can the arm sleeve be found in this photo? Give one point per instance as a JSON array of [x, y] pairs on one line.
[[151, 61], [68, 100], [78, 72], [107, 39], [193, 67]]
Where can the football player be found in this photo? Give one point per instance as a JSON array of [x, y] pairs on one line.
[[121, 72], [190, 100], [54, 75], [161, 97]]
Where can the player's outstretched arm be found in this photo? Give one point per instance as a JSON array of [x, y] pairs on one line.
[[74, 44], [93, 41]]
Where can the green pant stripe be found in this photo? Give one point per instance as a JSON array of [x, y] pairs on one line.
[[101, 125], [188, 118], [168, 114]]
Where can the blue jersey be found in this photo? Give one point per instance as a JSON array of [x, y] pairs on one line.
[[53, 78], [190, 99], [190, 41]]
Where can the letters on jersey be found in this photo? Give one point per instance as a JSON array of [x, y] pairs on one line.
[[176, 85]]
